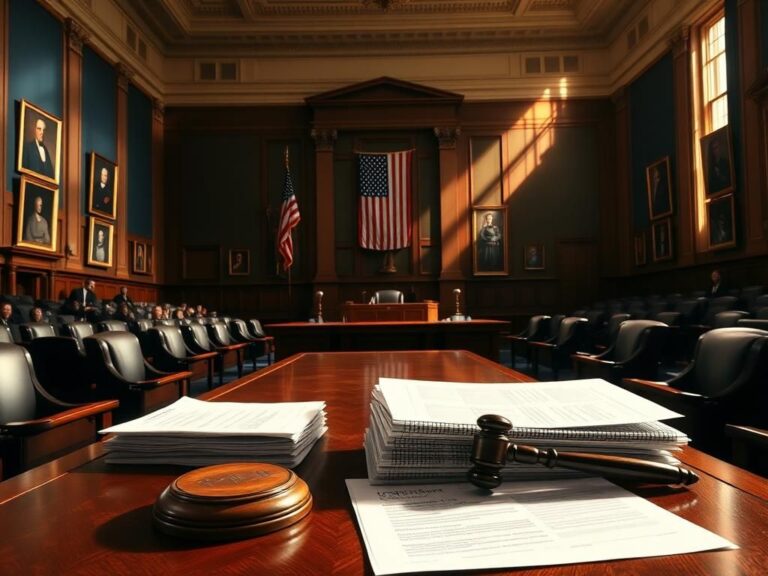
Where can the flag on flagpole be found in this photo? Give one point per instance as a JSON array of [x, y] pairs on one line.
[[289, 218], [384, 215]]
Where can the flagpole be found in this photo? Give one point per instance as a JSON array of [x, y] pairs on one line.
[[287, 167]]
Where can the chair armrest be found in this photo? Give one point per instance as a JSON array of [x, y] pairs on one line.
[[593, 360], [28, 427], [201, 357], [166, 378], [542, 345], [229, 347], [749, 434], [658, 389]]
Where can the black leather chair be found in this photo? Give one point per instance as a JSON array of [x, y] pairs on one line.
[[388, 297], [171, 354], [537, 330], [119, 370], [256, 330], [78, 331], [728, 318], [258, 347], [556, 353], [35, 427], [5, 335], [725, 382], [62, 368], [33, 330], [112, 326], [223, 342], [196, 338], [636, 353]]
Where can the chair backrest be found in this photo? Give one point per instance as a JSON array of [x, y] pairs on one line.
[[219, 334], [18, 400], [690, 310], [570, 327], [668, 317], [143, 325], [632, 335], [170, 338], [121, 350], [61, 367], [728, 318], [717, 305], [239, 329], [538, 327], [112, 326], [388, 297], [255, 328], [33, 330], [78, 330], [613, 325], [726, 358], [554, 324], [197, 335], [5, 335]]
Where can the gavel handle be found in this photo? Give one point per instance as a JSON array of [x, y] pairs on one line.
[[616, 467]]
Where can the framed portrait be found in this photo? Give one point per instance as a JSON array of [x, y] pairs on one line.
[[640, 254], [659, 187], [662, 240], [100, 236], [39, 147], [721, 222], [533, 257], [139, 258], [239, 262], [717, 161], [489, 240], [38, 215], [102, 187]]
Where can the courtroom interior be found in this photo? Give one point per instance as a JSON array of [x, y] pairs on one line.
[[199, 192]]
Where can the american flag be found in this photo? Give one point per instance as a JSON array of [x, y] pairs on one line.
[[289, 218], [385, 200]]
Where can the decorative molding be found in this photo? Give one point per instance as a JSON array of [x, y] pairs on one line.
[[324, 139], [125, 74], [76, 35], [447, 136], [158, 109], [679, 41]]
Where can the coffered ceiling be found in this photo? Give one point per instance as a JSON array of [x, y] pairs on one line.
[[244, 27]]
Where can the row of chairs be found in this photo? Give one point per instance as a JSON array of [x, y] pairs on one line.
[[720, 389]]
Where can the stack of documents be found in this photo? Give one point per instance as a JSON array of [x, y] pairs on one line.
[[196, 433], [423, 431]]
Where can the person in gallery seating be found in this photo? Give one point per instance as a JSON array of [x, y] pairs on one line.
[[716, 287]]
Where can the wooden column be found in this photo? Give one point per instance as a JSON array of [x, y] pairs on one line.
[[72, 158], [625, 258], [158, 207], [753, 196], [120, 245], [326, 234], [454, 206], [683, 186]]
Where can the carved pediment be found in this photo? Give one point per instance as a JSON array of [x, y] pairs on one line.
[[384, 91]]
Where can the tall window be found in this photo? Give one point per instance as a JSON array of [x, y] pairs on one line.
[[715, 84]]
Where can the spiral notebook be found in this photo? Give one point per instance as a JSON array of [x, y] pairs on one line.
[[423, 431]]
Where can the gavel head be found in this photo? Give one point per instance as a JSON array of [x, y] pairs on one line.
[[489, 451]]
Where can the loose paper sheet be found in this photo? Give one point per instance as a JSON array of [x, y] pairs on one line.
[[573, 403], [428, 528]]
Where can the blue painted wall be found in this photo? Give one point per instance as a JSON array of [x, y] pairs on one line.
[[99, 127], [652, 132], [139, 163], [35, 57]]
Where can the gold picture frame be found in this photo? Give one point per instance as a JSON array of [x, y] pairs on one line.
[[38, 153], [102, 186], [239, 262], [100, 242], [489, 241], [38, 215]]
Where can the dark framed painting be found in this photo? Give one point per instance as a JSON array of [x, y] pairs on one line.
[[534, 257], [661, 232], [100, 238], [239, 262], [38, 215], [39, 147], [489, 240], [640, 249], [721, 222], [102, 187], [717, 162], [659, 187], [139, 258]]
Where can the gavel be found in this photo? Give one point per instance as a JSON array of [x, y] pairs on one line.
[[492, 449]]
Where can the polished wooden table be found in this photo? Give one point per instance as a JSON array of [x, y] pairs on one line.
[[79, 515], [479, 336]]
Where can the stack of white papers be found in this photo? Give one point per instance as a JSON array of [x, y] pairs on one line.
[[422, 431], [192, 432]]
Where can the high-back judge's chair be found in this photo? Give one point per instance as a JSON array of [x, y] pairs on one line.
[[388, 297]]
